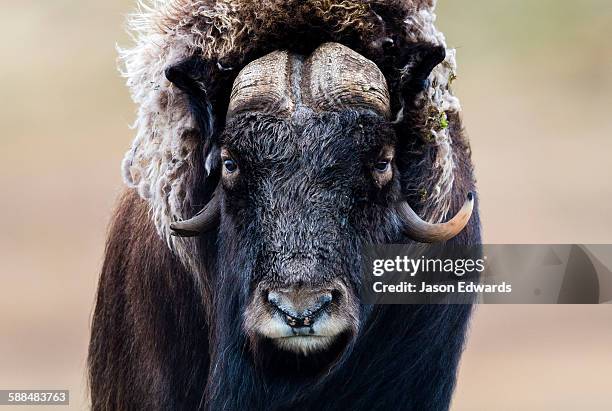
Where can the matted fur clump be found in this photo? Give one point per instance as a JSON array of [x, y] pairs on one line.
[[232, 32]]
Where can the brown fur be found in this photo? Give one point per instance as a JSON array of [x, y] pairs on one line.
[[146, 301], [247, 24]]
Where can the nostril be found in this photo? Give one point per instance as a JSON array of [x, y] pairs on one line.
[[336, 296], [280, 304], [322, 303], [325, 299], [273, 298]]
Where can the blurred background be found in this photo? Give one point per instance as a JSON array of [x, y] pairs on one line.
[[535, 81]]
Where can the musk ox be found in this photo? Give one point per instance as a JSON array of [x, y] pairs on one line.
[[275, 139]]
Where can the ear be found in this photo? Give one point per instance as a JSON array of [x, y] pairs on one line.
[[187, 75], [418, 61], [193, 77], [207, 85]]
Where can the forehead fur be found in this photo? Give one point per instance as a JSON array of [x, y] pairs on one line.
[[263, 135], [166, 32]]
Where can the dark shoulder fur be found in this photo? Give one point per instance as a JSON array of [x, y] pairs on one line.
[[148, 347]]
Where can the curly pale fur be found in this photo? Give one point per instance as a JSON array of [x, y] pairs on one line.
[[166, 32]]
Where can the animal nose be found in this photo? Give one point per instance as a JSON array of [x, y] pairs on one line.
[[300, 308]]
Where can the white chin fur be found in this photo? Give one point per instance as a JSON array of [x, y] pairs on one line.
[[304, 344]]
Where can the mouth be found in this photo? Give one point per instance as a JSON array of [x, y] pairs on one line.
[[300, 319], [304, 344]]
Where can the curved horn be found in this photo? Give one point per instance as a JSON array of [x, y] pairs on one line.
[[425, 232], [337, 77], [204, 221], [264, 85]]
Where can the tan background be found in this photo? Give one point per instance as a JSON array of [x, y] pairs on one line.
[[536, 85]]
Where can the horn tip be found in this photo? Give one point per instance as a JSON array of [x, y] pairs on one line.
[[177, 231]]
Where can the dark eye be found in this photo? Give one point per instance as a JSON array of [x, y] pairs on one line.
[[230, 165], [382, 166]]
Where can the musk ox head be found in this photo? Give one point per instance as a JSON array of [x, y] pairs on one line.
[[306, 176]]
